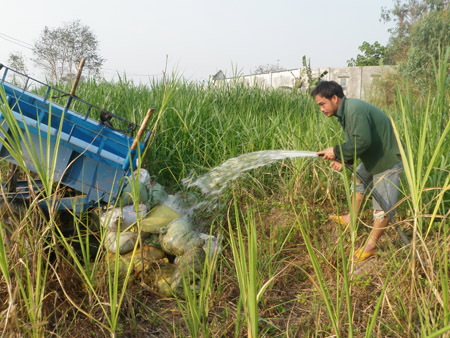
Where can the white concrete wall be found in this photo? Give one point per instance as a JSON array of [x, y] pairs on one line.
[[356, 81]]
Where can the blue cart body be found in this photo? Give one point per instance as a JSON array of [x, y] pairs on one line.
[[92, 158]]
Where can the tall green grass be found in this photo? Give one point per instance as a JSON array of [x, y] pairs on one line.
[[424, 157], [204, 126]]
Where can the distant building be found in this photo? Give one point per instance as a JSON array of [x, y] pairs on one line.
[[356, 81], [218, 76]]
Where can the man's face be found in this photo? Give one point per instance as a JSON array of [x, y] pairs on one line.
[[328, 106]]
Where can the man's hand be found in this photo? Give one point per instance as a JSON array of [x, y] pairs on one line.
[[336, 165], [328, 154]]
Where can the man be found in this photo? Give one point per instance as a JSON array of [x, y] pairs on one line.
[[369, 136]]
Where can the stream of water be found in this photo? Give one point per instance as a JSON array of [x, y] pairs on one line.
[[214, 181]]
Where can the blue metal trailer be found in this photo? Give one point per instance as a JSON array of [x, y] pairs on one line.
[[91, 157]]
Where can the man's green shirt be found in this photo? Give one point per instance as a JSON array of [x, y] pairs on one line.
[[368, 134]]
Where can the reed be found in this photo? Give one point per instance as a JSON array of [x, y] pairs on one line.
[[197, 303], [421, 154]]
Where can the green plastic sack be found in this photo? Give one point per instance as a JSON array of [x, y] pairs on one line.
[[156, 195], [123, 266], [159, 276], [127, 195], [159, 217], [145, 260], [190, 267], [126, 243], [178, 237]]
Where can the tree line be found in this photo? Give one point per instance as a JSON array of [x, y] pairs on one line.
[[420, 33]]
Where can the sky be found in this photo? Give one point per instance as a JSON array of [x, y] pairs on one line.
[[197, 38]]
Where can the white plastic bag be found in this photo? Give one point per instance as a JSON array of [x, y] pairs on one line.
[[110, 219], [144, 176], [213, 243], [129, 214]]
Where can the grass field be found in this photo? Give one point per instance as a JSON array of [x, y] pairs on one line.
[[284, 270]]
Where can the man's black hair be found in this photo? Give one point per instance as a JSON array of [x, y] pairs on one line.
[[328, 89]]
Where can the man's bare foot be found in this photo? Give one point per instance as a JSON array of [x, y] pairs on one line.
[[371, 247]]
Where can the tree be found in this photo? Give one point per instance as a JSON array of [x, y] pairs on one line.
[[428, 37], [268, 69], [59, 51], [306, 81], [16, 61], [405, 14], [373, 55]]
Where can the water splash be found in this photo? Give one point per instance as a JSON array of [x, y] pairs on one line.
[[214, 181], [183, 204]]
